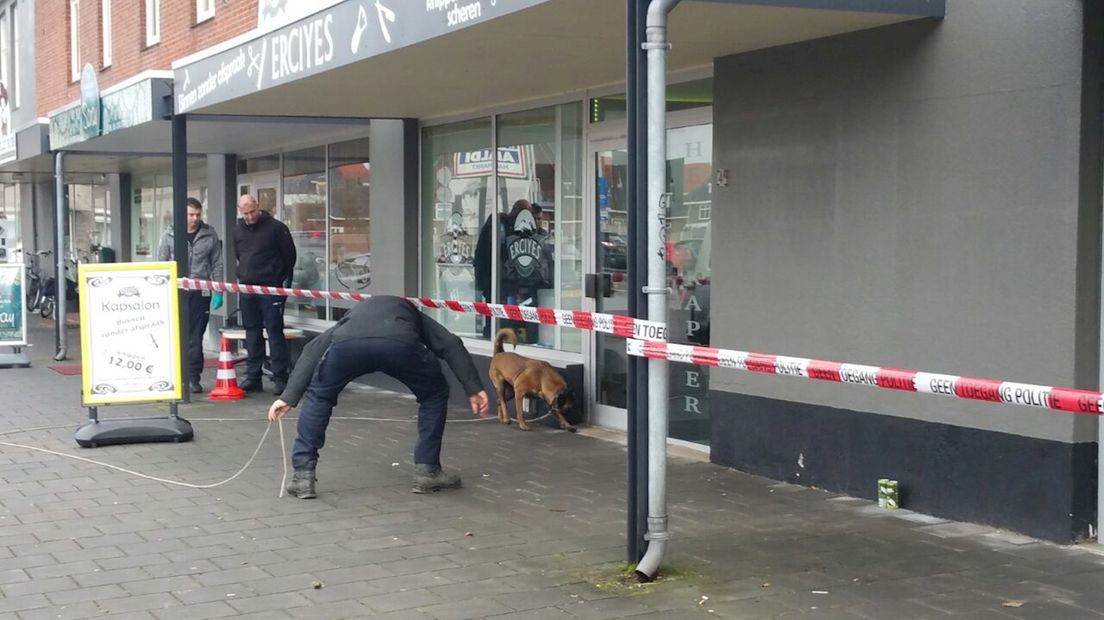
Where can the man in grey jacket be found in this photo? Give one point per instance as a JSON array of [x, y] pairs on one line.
[[204, 263], [386, 334]]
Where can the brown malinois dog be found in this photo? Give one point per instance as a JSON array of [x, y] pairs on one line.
[[517, 376]]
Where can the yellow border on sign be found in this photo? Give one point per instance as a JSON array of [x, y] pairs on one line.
[[174, 341]]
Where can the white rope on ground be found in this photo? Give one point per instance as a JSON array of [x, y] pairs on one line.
[[140, 474], [283, 447], [283, 453]]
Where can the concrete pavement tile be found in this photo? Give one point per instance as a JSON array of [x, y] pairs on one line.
[[233, 575], [265, 615], [161, 584], [64, 612], [301, 567], [269, 602], [105, 577], [99, 554], [114, 606], [962, 602], [417, 565], [532, 599], [23, 602], [402, 614], [477, 589], [66, 597], [38, 586], [405, 599], [1052, 609], [14, 575], [334, 611], [606, 608], [464, 610], [224, 592], [544, 613], [196, 612]]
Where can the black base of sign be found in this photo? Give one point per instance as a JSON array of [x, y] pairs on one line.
[[96, 433]]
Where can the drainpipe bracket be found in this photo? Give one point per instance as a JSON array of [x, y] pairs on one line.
[[657, 536], [655, 45], [655, 290]]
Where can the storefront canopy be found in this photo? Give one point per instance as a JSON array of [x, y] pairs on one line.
[[445, 57]]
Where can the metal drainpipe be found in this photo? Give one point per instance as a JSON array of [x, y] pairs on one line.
[[657, 45], [59, 254]]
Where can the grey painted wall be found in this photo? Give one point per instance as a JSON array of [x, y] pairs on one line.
[[393, 152], [909, 196]]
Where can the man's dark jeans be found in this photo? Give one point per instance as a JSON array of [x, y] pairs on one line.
[[412, 364], [199, 313], [265, 311]]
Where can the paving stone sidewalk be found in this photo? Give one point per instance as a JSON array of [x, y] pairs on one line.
[[536, 532]]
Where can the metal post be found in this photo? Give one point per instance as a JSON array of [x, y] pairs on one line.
[[59, 256], [658, 199], [636, 186], [180, 228]]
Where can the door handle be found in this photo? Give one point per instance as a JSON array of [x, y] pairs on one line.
[[590, 285], [598, 284]]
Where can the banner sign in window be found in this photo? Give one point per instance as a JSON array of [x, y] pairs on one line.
[[130, 343], [13, 318]]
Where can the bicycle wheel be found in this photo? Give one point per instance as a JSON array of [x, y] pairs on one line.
[[34, 295]]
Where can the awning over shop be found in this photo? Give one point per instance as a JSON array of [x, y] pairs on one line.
[[126, 129], [444, 57]]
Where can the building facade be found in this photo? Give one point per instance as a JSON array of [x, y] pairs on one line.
[[904, 184]]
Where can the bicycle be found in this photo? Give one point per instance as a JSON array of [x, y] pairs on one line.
[[49, 290], [35, 281]]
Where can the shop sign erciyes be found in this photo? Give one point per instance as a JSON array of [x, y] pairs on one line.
[[334, 37], [80, 122]]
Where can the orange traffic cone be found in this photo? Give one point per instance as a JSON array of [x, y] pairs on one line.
[[226, 382]]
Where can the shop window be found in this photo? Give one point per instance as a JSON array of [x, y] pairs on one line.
[[9, 224], [540, 219], [205, 10], [89, 221], [304, 212], [151, 207], [153, 22], [105, 30], [457, 198], [74, 40], [349, 261], [690, 170], [482, 237], [14, 90]]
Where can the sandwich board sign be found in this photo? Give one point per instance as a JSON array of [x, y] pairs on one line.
[[13, 315], [130, 338]]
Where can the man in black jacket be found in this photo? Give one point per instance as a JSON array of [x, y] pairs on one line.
[[266, 256], [386, 334]]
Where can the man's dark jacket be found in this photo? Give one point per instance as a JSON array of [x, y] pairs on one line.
[[384, 316], [265, 251]]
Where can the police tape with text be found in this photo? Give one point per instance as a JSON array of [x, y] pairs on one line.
[[616, 324], [973, 388]]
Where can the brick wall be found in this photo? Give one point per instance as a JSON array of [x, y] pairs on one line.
[[180, 36]]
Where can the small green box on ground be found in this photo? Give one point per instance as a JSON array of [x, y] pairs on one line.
[[887, 494]]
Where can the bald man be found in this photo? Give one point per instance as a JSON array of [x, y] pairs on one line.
[[266, 256]]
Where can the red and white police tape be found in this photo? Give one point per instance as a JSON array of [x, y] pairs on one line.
[[648, 339], [975, 388], [617, 324]]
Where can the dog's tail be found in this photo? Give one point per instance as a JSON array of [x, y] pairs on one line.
[[504, 334]]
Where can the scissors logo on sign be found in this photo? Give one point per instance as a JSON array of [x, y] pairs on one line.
[[385, 15], [256, 62]]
